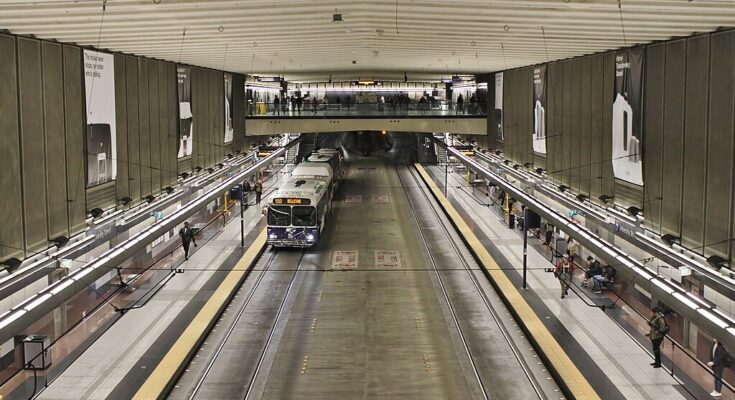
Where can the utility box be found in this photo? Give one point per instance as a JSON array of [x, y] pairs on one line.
[[36, 354]]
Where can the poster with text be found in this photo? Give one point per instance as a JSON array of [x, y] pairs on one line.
[[539, 109], [499, 104], [186, 118], [229, 131], [99, 88], [626, 129]]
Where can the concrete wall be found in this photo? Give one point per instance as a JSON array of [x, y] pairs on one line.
[[688, 135], [42, 137]]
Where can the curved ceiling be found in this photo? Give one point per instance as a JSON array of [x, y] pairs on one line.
[[298, 38]]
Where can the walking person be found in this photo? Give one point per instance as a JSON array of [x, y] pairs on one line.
[[187, 236], [258, 191], [277, 105], [563, 272], [657, 324], [314, 104], [719, 359], [549, 232], [572, 248], [460, 104]]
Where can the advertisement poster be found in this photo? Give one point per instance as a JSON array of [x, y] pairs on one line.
[[499, 104], [626, 130], [99, 88], [229, 131], [186, 120], [539, 109]]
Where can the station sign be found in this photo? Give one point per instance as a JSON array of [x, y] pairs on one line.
[[291, 201]]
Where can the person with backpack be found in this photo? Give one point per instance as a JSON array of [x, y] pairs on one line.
[[719, 359], [658, 329]]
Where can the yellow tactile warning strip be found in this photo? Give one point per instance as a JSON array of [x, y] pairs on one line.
[[158, 383], [576, 383]]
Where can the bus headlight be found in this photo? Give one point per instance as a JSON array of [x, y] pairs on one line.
[[310, 237], [272, 236]]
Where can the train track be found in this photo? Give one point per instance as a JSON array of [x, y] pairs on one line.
[[273, 254], [417, 183]]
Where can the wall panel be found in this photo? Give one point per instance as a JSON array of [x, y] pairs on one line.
[[584, 125], [718, 206], [238, 111], [576, 118], [11, 229], [74, 127], [695, 141], [653, 110], [121, 123], [33, 160], [173, 123], [155, 121], [144, 118], [596, 103], [53, 100], [131, 77], [673, 142], [608, 87], [567, 123]]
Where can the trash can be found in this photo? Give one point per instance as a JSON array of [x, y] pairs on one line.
[[36, 354]]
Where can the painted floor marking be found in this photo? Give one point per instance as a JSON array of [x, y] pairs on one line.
[[353, 198], [387, 259], [345, 259], [380, 198]]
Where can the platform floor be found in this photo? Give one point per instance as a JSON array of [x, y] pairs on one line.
[[366, 317], [127, 351], [593, 340]]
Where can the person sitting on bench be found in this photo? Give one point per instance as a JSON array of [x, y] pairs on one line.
[[594, 269]]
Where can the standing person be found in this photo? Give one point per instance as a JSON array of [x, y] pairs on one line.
[[299, 102], [339, 103], [277, 105], [563, 272], [549, 232], [258, 191], [187, 236], [460, 104], [246, 191], [657, 331], [314, 104], [572, 248], [719, 359]]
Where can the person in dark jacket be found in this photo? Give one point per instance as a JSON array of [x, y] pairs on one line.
[[187, 236], [657, 325], [277, 105], [719, 359]]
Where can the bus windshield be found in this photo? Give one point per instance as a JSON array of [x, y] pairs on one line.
[[279, 215], [304, 216]]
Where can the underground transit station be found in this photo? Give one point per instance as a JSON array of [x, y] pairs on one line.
[[349, 199]]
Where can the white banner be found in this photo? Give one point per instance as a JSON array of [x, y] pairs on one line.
[[99, 87], [499, 104], [229, 131]]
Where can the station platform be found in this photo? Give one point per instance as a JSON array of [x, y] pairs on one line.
[[614, 361], [389, 304]]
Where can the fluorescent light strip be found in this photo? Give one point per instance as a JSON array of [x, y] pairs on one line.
[[11, 318], [666, 288], [713, 318], [30, 306], [61, 286], [682, 298]]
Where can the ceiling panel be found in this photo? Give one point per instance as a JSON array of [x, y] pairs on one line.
[[298, 38]]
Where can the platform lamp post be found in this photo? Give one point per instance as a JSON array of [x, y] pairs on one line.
[[243, 207], [525, 245]]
